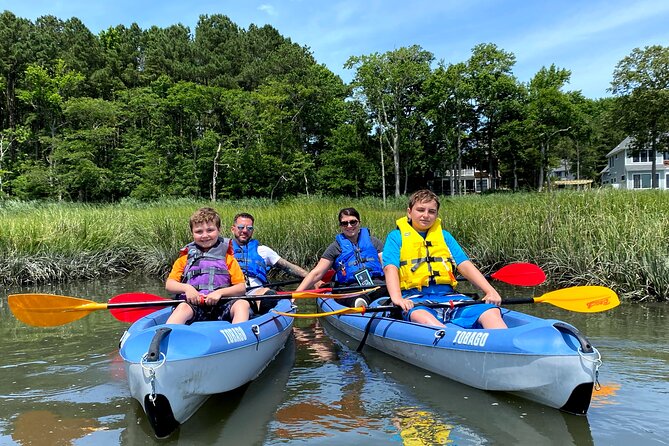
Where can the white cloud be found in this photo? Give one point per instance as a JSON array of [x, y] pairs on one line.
[[268, 9]]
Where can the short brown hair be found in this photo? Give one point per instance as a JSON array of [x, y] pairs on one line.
[[205, 215], [243, 215], [423, 196]]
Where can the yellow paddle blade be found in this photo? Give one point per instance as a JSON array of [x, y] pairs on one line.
[[328, 313], [50, 310], [312, 295], [583, 299]]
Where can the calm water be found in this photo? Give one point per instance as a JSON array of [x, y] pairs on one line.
[[66, 386]]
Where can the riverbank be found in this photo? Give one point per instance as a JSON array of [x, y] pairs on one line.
[[606, 237]]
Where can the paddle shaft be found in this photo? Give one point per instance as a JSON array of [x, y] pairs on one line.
[[452, 304], [274, 284], [455, 303], [520, 274], [168, 302]]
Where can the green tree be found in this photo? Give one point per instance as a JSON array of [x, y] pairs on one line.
[[449, 110], [549, 114], [168, 51], [641, 83], [15, 55], [390, 85], [45, 91], [493, 88], [121, 49], [217, 51]]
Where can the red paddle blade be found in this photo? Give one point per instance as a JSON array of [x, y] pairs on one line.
[[133, 314], [521, 274]]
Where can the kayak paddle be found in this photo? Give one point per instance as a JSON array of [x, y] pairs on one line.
[[581, 299], [50, 310], [519, 274]]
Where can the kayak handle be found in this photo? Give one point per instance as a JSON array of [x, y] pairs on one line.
[[154, 349], [586, 347]]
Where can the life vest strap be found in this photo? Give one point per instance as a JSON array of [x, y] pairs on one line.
[[418, 262], [200, 272]]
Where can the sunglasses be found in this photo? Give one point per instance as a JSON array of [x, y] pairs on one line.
[[241, 227], [351, 223]]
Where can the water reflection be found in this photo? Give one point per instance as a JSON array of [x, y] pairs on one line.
[[324, 393], [450, 411], [605, 394], [42, 427]]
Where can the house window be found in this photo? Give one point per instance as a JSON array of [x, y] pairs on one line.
[[642, 181], [666, 185], [611, 162], [482, 185], [622, 178], [641, 157]]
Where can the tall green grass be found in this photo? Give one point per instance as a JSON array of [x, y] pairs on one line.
[[614, 238]]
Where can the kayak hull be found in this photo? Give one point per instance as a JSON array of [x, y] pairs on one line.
[[546, 361], [173, 369]]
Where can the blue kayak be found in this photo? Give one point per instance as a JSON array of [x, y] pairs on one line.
[[173, 369], [543, 360]]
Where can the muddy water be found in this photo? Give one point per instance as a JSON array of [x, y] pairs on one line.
[[66, 386]]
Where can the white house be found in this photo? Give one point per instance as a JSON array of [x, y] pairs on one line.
[[471, 181], [627, 171], [563, 172]]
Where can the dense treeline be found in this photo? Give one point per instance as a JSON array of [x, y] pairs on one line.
[[226, 112]]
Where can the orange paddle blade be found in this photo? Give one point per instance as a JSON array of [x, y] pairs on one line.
[[49, 310], [582, 299]]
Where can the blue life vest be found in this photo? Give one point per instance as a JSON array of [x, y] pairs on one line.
[[207, 271], [354, 258], [249, 260]]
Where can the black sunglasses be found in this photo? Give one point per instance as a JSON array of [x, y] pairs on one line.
[[351, 223]]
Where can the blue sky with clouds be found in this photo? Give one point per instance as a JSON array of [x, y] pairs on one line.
[[587, 37]]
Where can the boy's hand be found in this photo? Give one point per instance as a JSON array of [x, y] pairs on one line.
[[212, 298], [193, 296], [404, 304], [493, 297]]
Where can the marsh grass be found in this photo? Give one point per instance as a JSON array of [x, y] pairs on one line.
[[613, 238]]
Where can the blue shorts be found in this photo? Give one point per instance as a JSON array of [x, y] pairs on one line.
[[220, 312], [465, 317]]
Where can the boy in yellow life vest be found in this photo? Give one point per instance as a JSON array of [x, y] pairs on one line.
[[421, 259]]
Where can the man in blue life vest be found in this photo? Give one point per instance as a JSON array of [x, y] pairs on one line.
[[256, 260]]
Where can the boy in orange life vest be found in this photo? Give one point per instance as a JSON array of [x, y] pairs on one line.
[[205, 272], [420, 258]]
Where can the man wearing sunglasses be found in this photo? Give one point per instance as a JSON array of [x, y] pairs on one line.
[[256, 260]]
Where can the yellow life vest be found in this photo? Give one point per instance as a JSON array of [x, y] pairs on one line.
[[423, 259]]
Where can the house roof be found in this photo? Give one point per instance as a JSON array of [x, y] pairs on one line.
[[620, 147]]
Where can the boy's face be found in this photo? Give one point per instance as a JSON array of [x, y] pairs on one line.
[[205, 234], [423, 215], [242, 230]]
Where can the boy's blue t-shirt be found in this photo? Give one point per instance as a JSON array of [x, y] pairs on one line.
[[391, 256]]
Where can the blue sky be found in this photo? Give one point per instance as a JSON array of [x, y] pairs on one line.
[[588, 37]]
